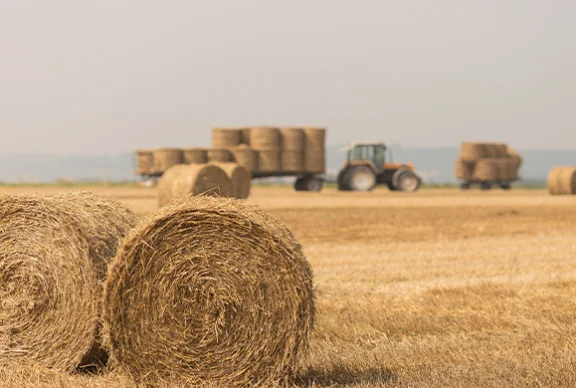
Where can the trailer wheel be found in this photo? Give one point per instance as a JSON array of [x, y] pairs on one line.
[[485, 186], [505, 186], [465, 186]]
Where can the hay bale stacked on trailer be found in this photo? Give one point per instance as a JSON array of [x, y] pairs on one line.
[[195, 155], [166, 157], [562, 181], [293, 157], [266, 142], [144, 162], [487, 164], [270, 152]]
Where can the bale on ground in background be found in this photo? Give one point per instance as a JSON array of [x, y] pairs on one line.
[[191, 180], [219, 155], [245, 156], [145, 162], [195, 155], [54, 253], [562, 181], [265, 138], [226, 137], [464, 170], [292, 139], [240, 178], [224, 290], [164, 158]]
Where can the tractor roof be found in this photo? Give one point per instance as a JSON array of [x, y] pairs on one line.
[[352, 144]]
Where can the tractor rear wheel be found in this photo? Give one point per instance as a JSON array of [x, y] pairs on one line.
[[407, 181], [361, 178], [309, 184]]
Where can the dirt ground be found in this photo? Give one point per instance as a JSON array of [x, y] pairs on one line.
[[437, 288]]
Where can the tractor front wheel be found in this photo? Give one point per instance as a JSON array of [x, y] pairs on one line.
[[408, 182]]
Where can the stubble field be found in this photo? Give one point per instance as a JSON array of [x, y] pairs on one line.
[[437, 288]]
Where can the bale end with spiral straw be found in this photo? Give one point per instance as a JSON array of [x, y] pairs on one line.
[[224, 290]]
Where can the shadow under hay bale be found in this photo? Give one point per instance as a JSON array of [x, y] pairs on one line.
[[210, 290], [192, 180], [53, 257]]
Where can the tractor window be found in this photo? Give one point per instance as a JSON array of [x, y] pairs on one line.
[[361, 153]]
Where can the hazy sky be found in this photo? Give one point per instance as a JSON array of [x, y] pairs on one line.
[[113, 75]]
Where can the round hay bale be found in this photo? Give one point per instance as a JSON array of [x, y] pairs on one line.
[[315, 150], [245, 136], [195, 155], [500, 150], [226, 137], [487, 169], [292, 139], [472, 152], [224, 291], [265, 138], [315, 160], [562, 181], [246, 157], [512, 153], [464, 170], [269, 161], [240, 178], [192, 180], [219, 155], [293, 161], [54, 253], [164, 158], [315, 137], [144, 162]]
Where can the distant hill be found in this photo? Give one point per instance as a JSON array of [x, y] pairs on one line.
[[434, 164]]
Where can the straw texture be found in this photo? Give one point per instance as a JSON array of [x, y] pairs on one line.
[[210, 290]]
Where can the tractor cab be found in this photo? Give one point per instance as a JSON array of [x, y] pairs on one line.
[[372, 152], [366, 166]]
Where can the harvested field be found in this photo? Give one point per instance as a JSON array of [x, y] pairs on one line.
[[436, 288]]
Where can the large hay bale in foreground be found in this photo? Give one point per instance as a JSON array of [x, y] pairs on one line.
[[210, 290], [54, 253], [192, 180], [164, 158], [226, 137], [562, 181], [240, 178]]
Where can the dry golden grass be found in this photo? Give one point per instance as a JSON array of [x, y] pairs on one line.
[[440, 288]]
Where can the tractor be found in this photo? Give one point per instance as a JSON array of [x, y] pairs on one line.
[[366, 166]]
